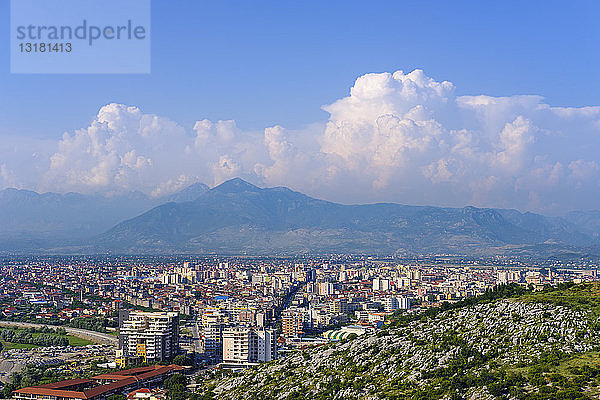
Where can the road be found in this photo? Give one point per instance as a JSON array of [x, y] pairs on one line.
[[288, 300], [196, 338], [97, 337], [8, 367]]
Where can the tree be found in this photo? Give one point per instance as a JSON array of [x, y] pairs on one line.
[[177, 392], [175, 386], [182, 360], [176, 379]]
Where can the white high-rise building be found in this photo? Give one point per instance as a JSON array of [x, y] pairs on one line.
[[404, 303], [415, 275], [393, 303], [243, 346], [325, 288], [381, 285], [390, 304], [404, 282], [171, 279], [504, 277], [150, 336]]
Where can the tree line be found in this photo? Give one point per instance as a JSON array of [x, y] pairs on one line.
[[26, 337], [90, 324]]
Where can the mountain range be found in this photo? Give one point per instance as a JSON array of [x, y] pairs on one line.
[[237, 217], [31, 221]]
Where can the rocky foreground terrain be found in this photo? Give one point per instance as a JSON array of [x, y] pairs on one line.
[[507, 345]]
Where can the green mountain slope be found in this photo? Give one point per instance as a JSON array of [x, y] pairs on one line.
[[504, 345]]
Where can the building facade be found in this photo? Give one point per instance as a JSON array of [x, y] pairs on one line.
[[243, 346], [213, 323], [148, 336], [292, 323]]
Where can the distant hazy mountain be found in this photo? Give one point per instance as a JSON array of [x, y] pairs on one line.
[[237, 217], [586, 221], [190, 193], [29, 220]]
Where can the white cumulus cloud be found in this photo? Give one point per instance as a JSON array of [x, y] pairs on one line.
[[401, 137]]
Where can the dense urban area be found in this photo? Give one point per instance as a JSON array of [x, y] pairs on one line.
[[159, 327]]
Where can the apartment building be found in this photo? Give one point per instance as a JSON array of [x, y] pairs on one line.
[[393, 303], [213, 323], [293, 322], [148, 336], [381, 285], [244, 346]]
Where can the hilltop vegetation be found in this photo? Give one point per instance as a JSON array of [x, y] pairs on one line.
[[508, 344]]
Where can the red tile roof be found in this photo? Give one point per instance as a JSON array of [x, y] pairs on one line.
[[121, 379], [65, 384], [52, 392]]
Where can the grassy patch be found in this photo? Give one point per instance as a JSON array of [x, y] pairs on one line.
[[9, 345], [73, 341], [580, 372], [591, 358], [584, 296], [77, 341]]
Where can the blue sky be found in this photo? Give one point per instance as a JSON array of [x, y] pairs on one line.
[[295, 76], [268, 62]]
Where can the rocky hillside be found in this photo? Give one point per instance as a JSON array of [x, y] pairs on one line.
[[507, 345]]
